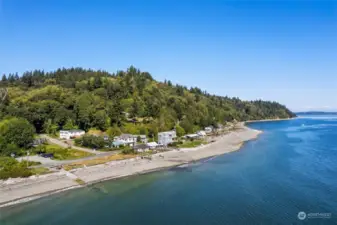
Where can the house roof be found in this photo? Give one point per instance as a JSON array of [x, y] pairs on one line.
[[168, 132], [125, 136], [119, 142], [152, 144], [191, 135], [74, 130]]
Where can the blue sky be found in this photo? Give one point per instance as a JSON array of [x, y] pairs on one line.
[[272, 50]]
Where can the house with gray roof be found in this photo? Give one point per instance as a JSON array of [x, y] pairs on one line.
[[167, 137]]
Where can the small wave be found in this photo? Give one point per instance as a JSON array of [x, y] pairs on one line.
[[306, 127]]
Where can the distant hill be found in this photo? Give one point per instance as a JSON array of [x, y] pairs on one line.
[[315, 113], [129, 100]]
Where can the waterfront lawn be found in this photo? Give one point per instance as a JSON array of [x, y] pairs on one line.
[[62, 153], [191, 144]]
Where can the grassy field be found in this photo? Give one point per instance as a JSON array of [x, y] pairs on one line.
[[192, 144], [97, 161], [64, 153]]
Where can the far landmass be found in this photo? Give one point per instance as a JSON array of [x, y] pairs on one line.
[[315, 113]]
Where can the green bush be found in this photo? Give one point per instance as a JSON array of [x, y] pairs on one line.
[[91, 141], [13, 172], [128, 151], [18, 131], [9, 167]]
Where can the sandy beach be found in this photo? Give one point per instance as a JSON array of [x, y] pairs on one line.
[[18, 190]]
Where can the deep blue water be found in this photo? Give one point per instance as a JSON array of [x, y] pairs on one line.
[[291, 167]]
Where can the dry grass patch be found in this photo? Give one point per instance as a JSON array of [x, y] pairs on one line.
[[79, 181], [92, 162]]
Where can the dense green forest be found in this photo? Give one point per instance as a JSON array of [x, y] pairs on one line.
[[125, 101]]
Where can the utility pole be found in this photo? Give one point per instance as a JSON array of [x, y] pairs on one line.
[[27, 157]]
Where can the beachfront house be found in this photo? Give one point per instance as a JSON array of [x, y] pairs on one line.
[[192, 136], [141, 148], [143, 138], [118, 143], [68, 134], [201, 133], [208, 130], [167, 137], [128, 139], [152, 145]]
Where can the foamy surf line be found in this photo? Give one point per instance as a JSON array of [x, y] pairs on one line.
[[35, 197]]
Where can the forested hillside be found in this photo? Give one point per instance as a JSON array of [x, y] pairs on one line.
[[130, 101]]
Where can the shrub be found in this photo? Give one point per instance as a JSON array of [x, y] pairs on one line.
[[9, 167], [18, 131], [91, 141], [128, 151]]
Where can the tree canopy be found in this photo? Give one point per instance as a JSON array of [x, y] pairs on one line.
[[124, 101], [15, 133]]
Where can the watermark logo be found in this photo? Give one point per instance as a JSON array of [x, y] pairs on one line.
[[301, 215]]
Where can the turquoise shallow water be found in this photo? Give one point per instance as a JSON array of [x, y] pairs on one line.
[[291, 167]]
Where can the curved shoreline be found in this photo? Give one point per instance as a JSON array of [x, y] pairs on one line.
[[28, 189]]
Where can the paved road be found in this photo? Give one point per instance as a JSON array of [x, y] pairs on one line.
[[64, 145]]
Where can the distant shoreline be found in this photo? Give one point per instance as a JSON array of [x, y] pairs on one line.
[[26, 189]]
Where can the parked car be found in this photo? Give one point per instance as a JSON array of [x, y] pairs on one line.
[[47, 155]]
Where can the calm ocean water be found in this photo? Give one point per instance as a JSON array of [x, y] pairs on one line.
[[290, 168]]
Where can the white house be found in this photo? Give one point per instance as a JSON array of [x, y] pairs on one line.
[[152, 145], [141, 148], [208, 130], [143, 138], [201, 133], [127, 138], [165, 138], [67, 134]]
